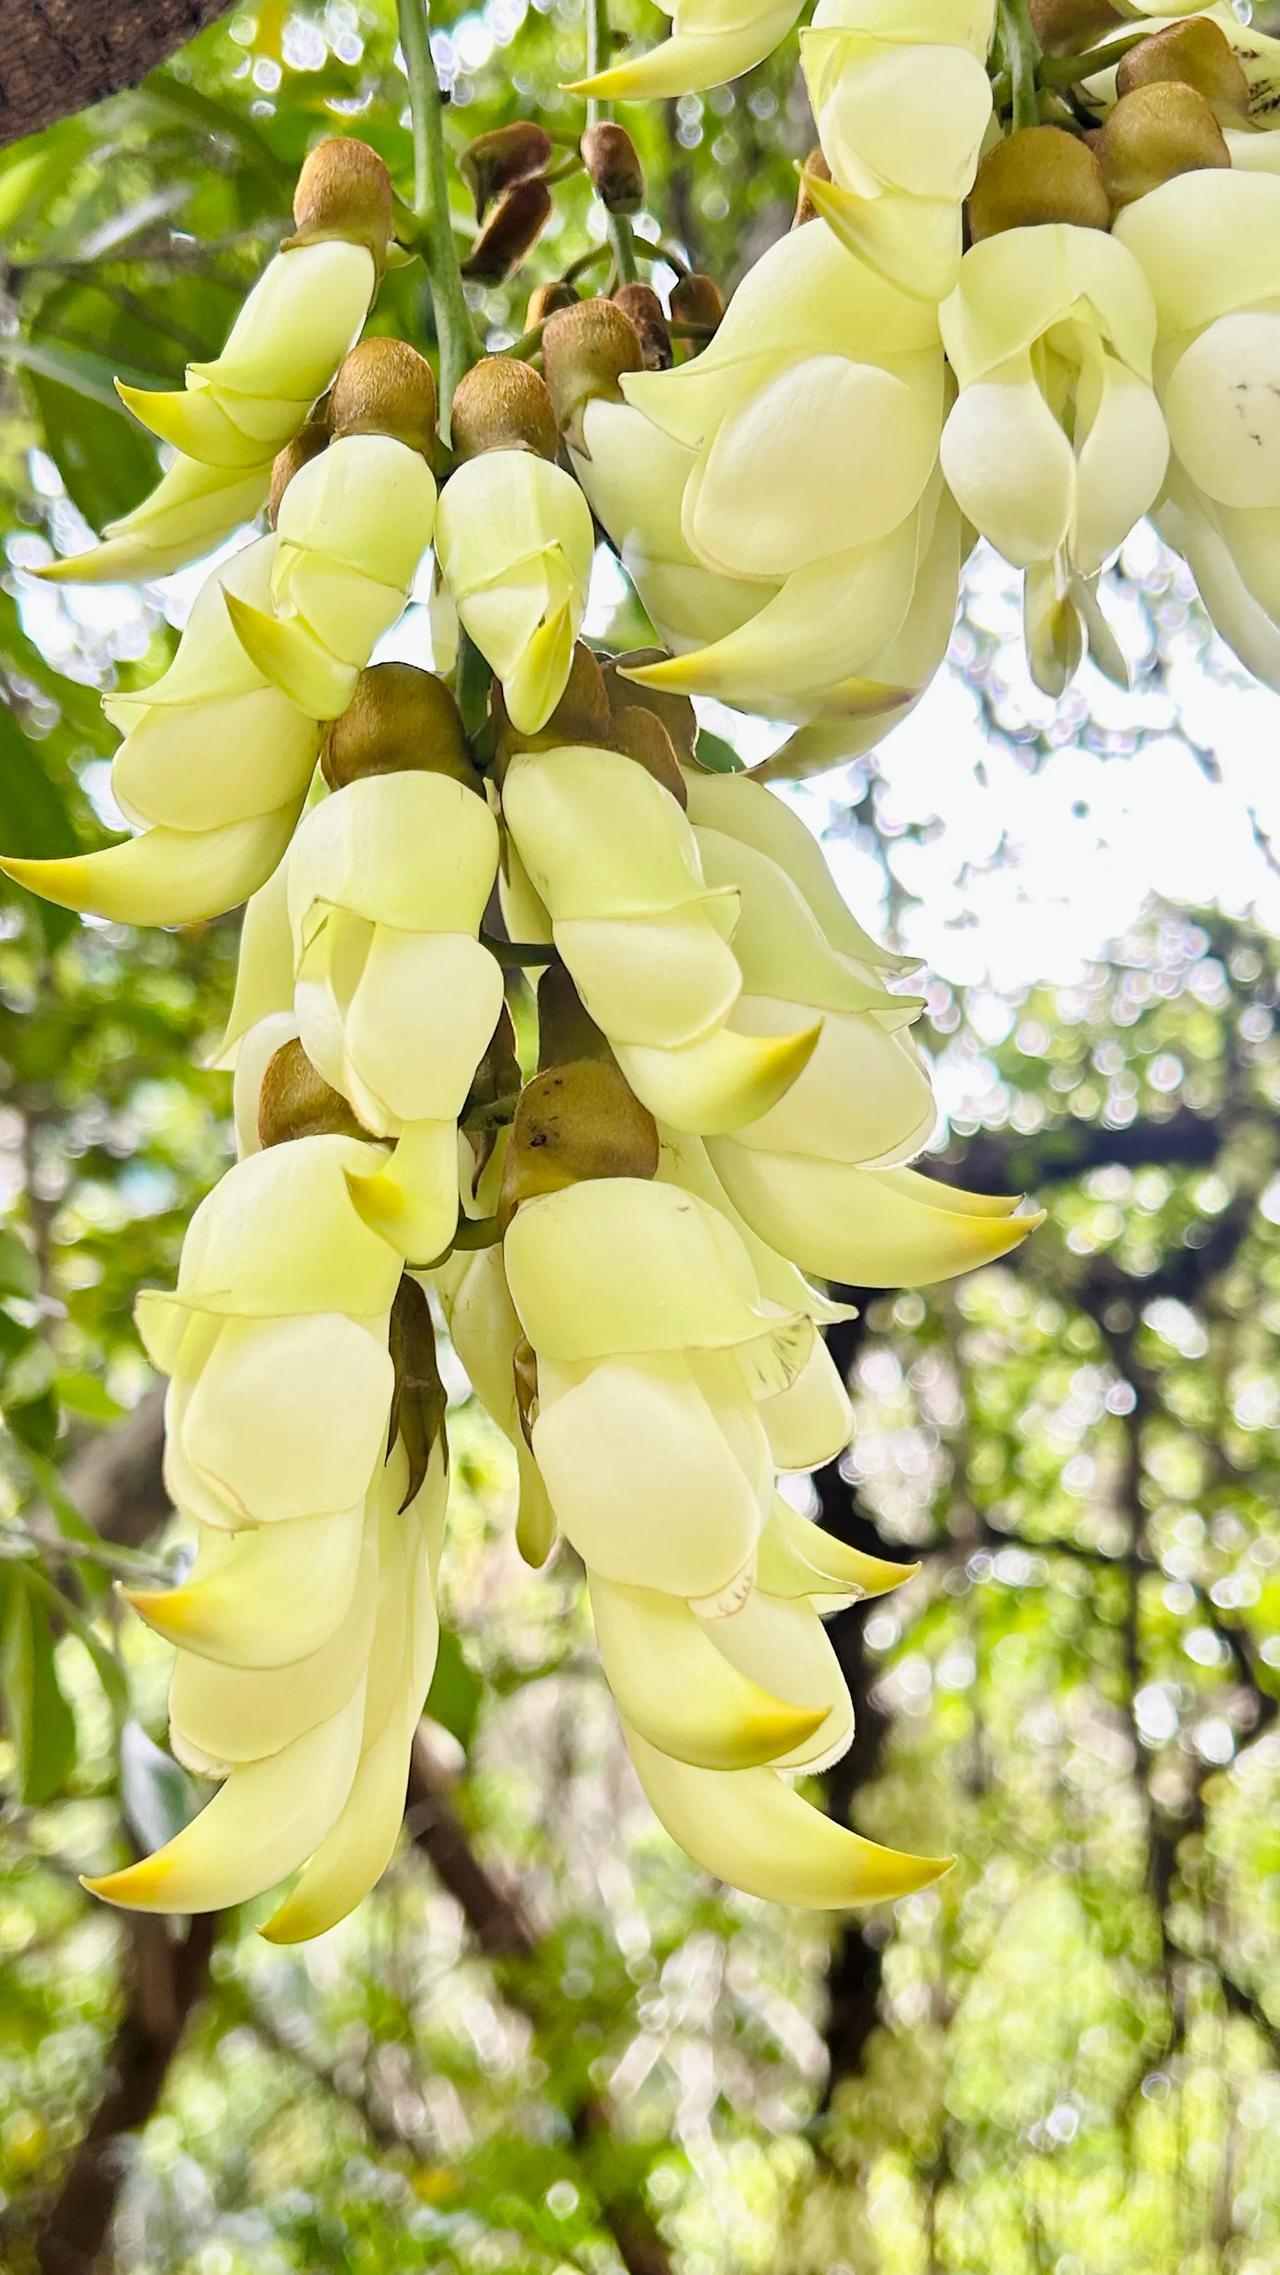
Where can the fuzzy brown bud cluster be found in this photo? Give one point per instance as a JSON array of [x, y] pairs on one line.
[[503, 404], [400, 719]]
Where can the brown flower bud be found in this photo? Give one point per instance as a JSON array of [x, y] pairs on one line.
[[641, 735], [566, 1030], [401, 719], [1196, 52], [675, 711], [617, 176], [344, 190], [495, 1085], [641, 303], [1063, 27], [1158, 131], [1038, 174], [497, 161], [806, 210], [502, 404], [307, 444], [296, 1102], [582, 715], [386, 387], [575, 1121], [418, 1399], [510, 233], [697, 299], [585, 351], [547, 300]]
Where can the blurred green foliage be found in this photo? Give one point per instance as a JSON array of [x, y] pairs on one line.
[[547, 2038]]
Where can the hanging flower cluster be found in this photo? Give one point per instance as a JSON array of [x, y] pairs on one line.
[[1030, 294]]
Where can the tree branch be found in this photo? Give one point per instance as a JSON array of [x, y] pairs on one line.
[[60, 56], [164, 1980]]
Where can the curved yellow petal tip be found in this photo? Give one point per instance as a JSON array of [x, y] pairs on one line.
[[671, 672], [134, 1884], [166, 1610], [290, 657]]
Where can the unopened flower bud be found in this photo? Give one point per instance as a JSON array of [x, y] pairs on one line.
[[1198, 54], [401, 719], [641, 303], [1038, 174], [510, 233], [344, 190], [307, 444], [418, 1399], [815, 166], [585, 352], [1155, 133], [547, 300], [697, 299], [495, 162], [386, 387], [1063, 27], [617, 176], [502, 404], [296, 1102], [576, 1121]]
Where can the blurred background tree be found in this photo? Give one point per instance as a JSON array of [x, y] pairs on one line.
[[547, 2044]]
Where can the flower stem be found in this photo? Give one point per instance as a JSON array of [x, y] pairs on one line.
[[454, 331], [1020, 50], [1069, 70], [621, 236]]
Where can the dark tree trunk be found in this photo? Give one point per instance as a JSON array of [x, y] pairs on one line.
[[59, 56], [164, 1978]]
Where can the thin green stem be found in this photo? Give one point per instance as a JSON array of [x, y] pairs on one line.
[[1020, 51], [1069, 70], [454, 331], [621, 235], [518, 955]]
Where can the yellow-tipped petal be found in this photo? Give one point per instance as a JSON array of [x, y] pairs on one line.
[[689, 60], [539, 679], [913, 241], [263, 1598], [413, 1200], [751, 1829], [291, 658], [196, 422], [865, 1228], [191, 509], [797, 1558], [261, 1824], [354, 1855], [164, 876], [672, 1684], [716, 1085]]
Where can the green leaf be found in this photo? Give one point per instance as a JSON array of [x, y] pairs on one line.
[[716, 755], [87, 1394], [456, 1691], [156, 1794], [19, 1272], [33, 820], [103, 456], [39, 1722]]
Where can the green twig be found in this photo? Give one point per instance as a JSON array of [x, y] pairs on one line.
[[1020, 52], [621, 235], [517, 955], [454, 330], [1069, 70]]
